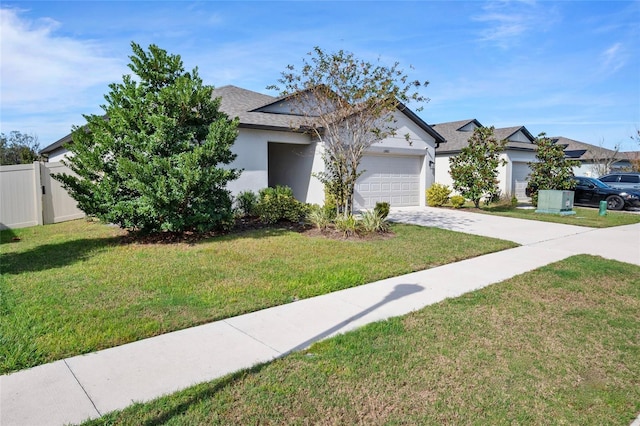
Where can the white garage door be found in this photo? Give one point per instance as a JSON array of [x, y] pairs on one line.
[[395, 180], [519, 172]]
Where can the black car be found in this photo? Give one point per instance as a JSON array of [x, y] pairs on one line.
[[590, 191]]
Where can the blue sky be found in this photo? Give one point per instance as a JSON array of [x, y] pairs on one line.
[[567, 68]]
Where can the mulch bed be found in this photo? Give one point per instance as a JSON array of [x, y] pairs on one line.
[[249, 224]]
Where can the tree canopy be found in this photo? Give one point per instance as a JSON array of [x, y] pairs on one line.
[[552, 170], [348, 104], [152, 161], [18, 148], [475, 169]]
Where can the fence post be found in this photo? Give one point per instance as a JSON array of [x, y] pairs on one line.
[[38, 191]]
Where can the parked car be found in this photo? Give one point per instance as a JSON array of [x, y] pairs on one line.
[[590, 191], [624, 180]]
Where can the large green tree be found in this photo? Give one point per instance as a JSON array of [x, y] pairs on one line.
[[475, 170], [348, 104], [153, 161], [18, 148], [552, 169]]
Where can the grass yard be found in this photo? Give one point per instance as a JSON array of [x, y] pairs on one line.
[[584, 216], [75, 287], [559, 345]]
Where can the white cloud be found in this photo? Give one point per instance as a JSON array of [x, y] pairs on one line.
[[503, 28], [507, 22], [42, 71], [613, 58]]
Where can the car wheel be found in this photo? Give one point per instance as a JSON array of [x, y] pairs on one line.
[[615, 202]]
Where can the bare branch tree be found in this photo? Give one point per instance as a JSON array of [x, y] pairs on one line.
[[348, 104], [604, 159]]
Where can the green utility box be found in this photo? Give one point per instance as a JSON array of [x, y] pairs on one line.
[[555, 201]]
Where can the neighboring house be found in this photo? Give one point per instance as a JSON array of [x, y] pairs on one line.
[[594, 160], [271, 152], [633, 157], [520, 150]]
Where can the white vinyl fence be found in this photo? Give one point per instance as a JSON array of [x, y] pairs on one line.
[[29, 196]]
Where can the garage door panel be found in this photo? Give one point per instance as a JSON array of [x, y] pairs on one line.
[[393, 179], [396, 200]]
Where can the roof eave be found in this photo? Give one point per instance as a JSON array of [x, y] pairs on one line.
[[271, 127], [57, 144], [421, 123]]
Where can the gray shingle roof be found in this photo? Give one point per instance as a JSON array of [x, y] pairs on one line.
[[591, 152], [248, 106], [457, 139], [243, 103]]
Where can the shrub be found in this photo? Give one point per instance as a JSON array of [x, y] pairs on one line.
[[330, 203], [320, 217], [438, 195], [158, 163], [278, 203], [330, 211], [372, 221], [246, 202], [457, 201], [382, 209], [348, 225]]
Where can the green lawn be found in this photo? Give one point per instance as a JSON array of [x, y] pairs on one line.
[[559, 345], [75, 287], [584, 216]]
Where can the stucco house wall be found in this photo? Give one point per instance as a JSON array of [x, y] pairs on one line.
[[271, 152], [295, 166], [442, 175], [252, 150], [58, 155]]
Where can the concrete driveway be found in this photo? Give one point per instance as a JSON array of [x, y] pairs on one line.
[[618, 243], [505, 228]]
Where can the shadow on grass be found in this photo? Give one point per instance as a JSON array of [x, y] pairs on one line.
[[7, 236], [206, 391], [51, 256]]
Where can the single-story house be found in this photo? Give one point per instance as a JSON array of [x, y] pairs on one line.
[[594, 160], [520, 150], [270, 151]]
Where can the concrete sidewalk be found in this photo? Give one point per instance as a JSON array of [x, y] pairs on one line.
[[87, 386]]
